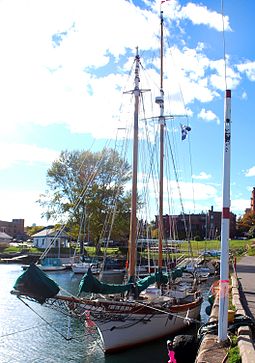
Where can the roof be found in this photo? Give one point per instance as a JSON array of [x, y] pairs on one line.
[[49, 232], [5, 236]]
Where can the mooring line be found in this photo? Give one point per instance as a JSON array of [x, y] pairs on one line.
[[48, 323]]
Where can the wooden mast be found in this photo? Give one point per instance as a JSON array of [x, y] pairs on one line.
[[160, 101], [133, 218]]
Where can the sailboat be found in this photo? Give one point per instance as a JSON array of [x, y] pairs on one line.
[[138, 311], [82, 263]]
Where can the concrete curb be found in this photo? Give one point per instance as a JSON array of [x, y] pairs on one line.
[[210, 350], [245, 343]]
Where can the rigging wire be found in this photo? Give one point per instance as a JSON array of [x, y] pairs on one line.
[[42, 318], [187, 122]]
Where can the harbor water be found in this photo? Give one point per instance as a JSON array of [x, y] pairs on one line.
[[35, 334]]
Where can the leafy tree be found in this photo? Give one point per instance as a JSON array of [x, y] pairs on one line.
[[89, 187], [32, 230], [245, 223], [251, 232]]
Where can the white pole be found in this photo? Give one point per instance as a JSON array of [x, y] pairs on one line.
[[224, 263]]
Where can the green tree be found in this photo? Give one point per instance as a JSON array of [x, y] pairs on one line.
[[30, 230], [245, 223], [89, 186]]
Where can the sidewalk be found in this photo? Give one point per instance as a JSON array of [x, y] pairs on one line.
[[246, 275], [243, 295]]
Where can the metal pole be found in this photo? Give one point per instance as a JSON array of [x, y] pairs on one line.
[[225, 219]]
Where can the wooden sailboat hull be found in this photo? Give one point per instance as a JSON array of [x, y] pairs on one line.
[[129, 325], [126, 323]]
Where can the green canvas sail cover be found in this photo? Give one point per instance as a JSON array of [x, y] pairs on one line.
[[176, 272], [34, 282], [90, 283], [159, 277]]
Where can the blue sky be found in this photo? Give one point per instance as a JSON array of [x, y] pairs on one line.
[[64, 62]]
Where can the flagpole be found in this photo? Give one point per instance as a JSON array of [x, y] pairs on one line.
[[225, 225]]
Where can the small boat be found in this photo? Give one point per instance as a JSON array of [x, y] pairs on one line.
[[49, 264], [83, 266], [52, 264]]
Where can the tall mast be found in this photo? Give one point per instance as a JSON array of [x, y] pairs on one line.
[[160, 101], [225, 225], [133, 218]]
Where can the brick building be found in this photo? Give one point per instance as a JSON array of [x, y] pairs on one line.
[[253, 200], [205, 225], [15, 228]]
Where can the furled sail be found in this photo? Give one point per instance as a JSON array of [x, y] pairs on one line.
[[90, 283], [35, 283]]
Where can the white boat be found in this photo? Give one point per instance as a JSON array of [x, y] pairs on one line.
[[82, 267]]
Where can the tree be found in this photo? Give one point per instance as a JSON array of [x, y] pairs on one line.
[[245, 223], [86, 187], [30, 230]]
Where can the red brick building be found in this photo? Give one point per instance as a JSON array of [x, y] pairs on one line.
[[205, 225], [15, 228], [253, 201]]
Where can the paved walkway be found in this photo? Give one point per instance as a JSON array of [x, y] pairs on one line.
[[246, 274], [243, 295]]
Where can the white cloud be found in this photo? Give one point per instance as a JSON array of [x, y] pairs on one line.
[[21, 204], [50, 49], [248, 68], [250, 188], [222, 75], [208, 115], [199, 14], [202, 175], [250, 171], [244, 95], [43, 84], [14, 153], [200, 191], [195, 197], [238, 206]]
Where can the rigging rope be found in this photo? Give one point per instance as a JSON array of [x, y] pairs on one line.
[[42, 318]]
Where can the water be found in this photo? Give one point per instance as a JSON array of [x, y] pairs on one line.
[[25, 336]]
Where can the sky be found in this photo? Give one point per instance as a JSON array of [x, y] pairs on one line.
[[64, 62]]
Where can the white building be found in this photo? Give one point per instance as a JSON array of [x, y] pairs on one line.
[[50, 236]]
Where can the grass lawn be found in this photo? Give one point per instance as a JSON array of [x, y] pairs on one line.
[[236, 247]]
